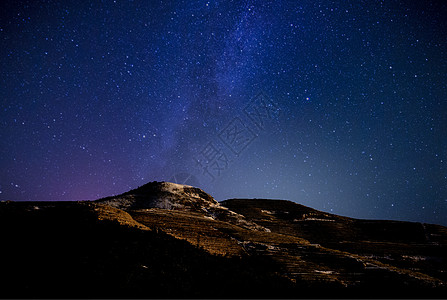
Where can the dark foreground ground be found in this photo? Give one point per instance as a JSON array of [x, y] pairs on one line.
[[88, 250]]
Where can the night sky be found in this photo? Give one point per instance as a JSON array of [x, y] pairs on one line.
[[340, 106]]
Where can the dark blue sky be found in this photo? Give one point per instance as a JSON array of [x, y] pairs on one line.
[[340, 106]]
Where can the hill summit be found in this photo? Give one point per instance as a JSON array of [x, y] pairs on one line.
[[166, 195], [178, 197]]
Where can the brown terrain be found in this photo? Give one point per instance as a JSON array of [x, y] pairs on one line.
[[165, 240]]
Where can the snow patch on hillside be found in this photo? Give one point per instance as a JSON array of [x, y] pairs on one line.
[[174, 188]]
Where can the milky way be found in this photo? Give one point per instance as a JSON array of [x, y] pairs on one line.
[[340, 106]]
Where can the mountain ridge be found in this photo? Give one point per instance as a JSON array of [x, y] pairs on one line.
[[273, 248], [173, 196]]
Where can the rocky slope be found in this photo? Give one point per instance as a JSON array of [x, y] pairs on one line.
[[177, 197], [168, 240]]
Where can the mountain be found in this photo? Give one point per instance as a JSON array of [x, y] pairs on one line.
[[177, 197], [164, 195], [166, 240]]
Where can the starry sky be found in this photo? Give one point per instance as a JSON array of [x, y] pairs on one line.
[[337, 105]]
